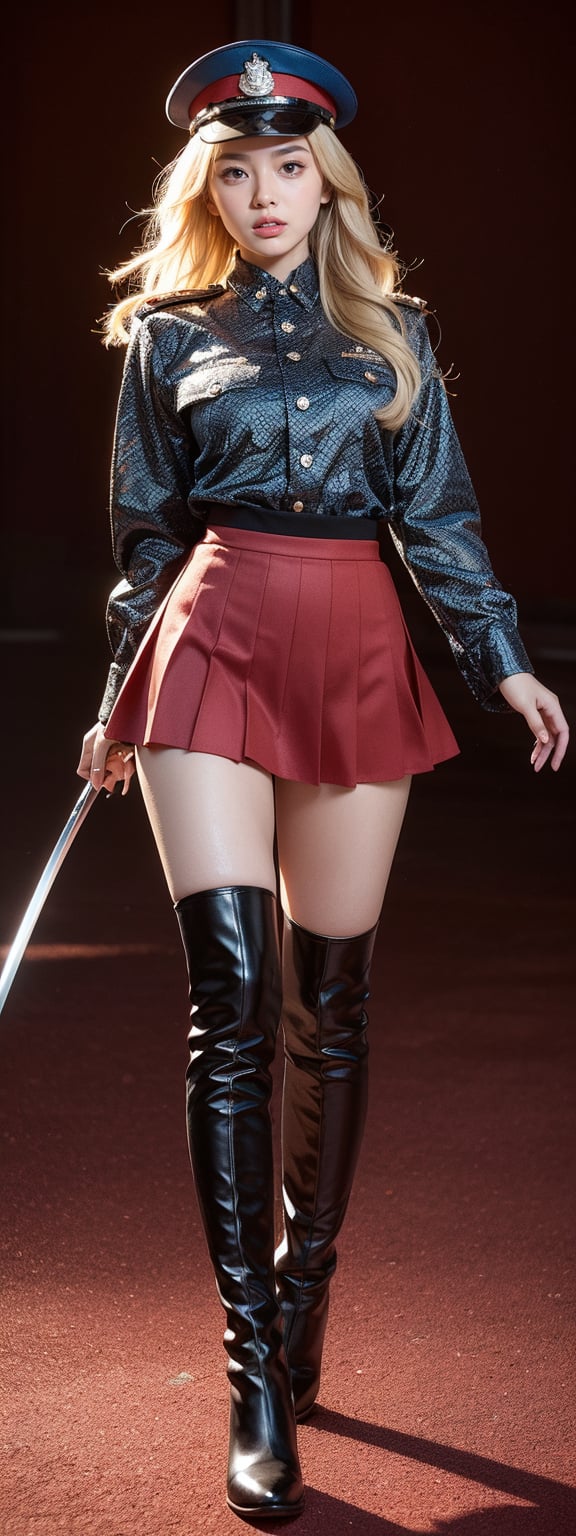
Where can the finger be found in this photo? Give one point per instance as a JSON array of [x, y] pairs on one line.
[[111, 777], [542, 757], [85, 762], [99, 758], [130, 770], [537, 724], [100, 766], [556, 749], [559, 752], [119, 767], [558, 729], [542, 749], [113, 772]]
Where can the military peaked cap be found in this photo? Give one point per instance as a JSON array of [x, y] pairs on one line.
[[259, 87]]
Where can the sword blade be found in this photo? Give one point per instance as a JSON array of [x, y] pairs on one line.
[[45, 883]]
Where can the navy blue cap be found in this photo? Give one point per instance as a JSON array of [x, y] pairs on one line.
[[259, 87]]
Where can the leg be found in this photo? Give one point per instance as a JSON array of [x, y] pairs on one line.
[[335, 856], [212, 819], [230, 936], [336, 848]]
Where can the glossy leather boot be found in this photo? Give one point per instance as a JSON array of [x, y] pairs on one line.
[[231, 940], [326, 984]]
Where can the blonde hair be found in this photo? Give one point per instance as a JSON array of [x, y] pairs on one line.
[[186, 247]]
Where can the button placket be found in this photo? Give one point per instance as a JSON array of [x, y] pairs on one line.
[[306, 460], [298, 456], [283, 328]]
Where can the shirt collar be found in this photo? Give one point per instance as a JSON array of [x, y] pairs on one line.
[[259, 288]]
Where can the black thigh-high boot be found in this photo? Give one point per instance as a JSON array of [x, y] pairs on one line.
[[230, 937], [326, 984]]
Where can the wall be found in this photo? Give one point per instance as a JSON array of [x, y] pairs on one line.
[[463, 130]]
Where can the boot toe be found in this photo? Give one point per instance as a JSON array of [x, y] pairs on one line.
[[265, 1488]]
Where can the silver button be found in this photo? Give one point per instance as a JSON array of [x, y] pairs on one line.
[[215, 389], [294, 357], [302, 403], [261, 293], [371, 377], [293, 288], [283, 292], [306, 460], [286, 325], [297, 506]]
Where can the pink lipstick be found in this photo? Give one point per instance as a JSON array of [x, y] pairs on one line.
[[269, 227]]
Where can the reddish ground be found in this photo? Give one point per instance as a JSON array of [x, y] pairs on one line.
[[447, 1402]]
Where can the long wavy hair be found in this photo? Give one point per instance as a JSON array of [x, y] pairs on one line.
[[185, 247]]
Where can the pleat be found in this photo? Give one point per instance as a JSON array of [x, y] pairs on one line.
[[298, 696], [339, 754], [270, 666], [185, 644], [379, 723], [425, 732], [220, 719]]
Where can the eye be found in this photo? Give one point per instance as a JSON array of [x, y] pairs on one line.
[[232, 173], [292, 165]]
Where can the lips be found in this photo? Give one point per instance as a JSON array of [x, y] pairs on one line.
[[270, 224]]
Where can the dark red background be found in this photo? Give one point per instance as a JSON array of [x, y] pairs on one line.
[[463, 129]]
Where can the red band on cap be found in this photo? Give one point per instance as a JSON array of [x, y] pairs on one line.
[[284, 85]]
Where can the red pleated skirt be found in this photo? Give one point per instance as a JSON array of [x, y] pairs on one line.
[[288, 652]]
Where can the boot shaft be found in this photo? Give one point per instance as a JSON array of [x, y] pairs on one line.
[[230, 937]]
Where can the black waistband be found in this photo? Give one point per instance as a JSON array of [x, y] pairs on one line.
[[303, 524]]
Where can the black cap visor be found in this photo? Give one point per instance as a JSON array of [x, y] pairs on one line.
[[279, 115]]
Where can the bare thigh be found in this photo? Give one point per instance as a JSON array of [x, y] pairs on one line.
[[212, 819], [335, 848]]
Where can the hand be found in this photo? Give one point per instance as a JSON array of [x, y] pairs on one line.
[[105, 763], [542, 713]]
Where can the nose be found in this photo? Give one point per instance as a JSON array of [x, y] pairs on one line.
[[263, 197]]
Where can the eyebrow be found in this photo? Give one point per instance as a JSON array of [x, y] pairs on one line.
[[293, 149]]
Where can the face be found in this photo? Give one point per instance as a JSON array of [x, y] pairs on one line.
[[267, 193]]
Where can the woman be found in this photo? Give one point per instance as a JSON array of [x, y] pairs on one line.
[[279, 407]]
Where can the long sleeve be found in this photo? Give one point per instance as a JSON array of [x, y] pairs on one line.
[[436, 527], [152, 529]]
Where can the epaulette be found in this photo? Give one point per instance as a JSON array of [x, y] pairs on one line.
[[183, 296], [410, 300]]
